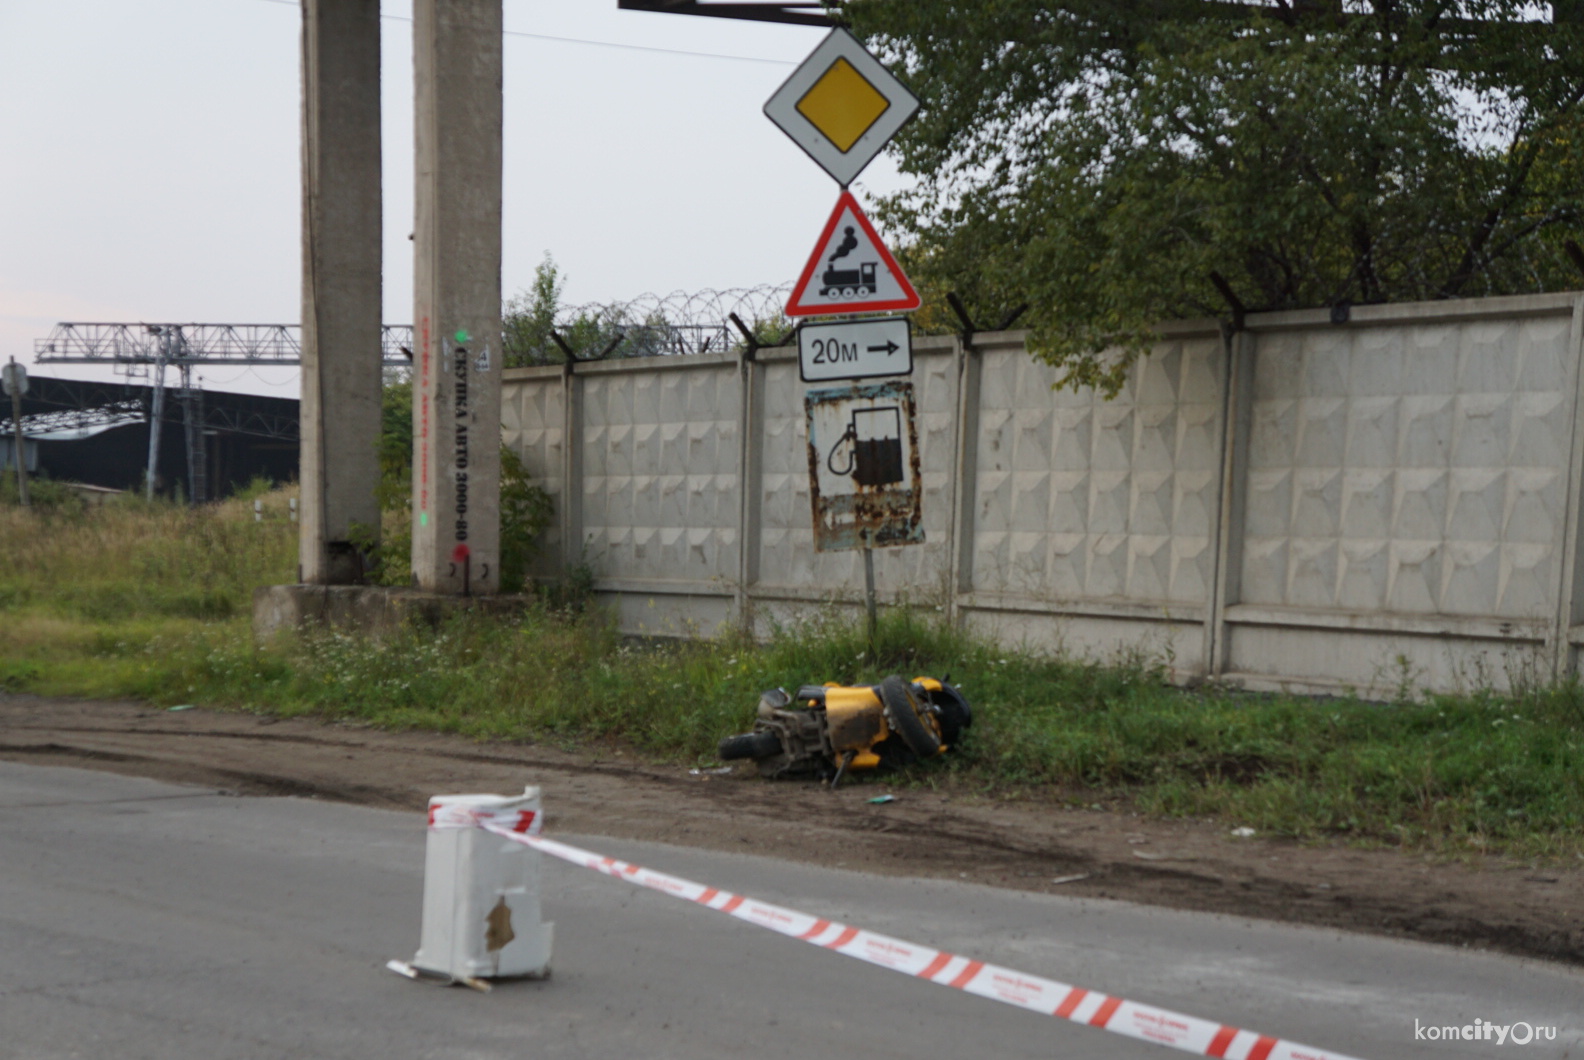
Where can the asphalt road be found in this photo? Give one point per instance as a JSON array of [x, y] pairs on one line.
[[138, 919]]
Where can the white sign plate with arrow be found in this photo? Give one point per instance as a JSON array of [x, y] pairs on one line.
[[855, 349]]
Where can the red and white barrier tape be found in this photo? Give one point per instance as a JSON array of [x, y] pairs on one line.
[[1114, 1014]]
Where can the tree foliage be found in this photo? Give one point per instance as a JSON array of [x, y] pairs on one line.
[[530, 323], [532, 319], [1100, 159], [536, 324], [528, 318]]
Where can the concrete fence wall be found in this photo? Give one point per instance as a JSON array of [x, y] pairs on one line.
[[1384, 502]]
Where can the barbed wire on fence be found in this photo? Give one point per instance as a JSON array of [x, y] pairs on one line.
[[651, 325]]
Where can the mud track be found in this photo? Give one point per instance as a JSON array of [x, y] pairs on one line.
[[1492, 903]]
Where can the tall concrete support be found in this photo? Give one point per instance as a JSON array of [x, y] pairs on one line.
[[457, 304], [341, 285]]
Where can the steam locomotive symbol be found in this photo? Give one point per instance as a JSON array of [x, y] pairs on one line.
[[847, 283]]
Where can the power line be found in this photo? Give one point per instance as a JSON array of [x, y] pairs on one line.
[[226, 382], [266, 382], [602, 43]]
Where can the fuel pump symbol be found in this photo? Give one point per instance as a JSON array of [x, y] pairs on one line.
[[875, 454]]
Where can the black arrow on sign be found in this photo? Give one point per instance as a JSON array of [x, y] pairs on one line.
[[888, 349]]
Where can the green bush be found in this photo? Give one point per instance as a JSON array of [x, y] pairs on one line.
[[44, 494], [526, 510]]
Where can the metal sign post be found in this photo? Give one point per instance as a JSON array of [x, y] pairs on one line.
[[842, 106], [864, 473], [871, 609], [16, 384]]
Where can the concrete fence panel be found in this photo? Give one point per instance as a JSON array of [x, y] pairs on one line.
[[1408, 490], [1389, 501], [1094, 521], [533, 425], [661, 456]]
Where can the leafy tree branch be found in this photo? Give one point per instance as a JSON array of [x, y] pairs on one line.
[[1100, 159]]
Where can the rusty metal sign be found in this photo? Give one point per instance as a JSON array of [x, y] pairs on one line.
[[864, 466]]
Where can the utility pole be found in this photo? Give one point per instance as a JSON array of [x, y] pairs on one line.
[[157, 410], [192, 423], [341, 215], [457, 296], [16, 386]]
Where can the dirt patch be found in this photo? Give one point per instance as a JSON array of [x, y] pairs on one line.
[[1496, 903]]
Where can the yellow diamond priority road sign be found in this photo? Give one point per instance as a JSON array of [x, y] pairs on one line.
[[841, 106]]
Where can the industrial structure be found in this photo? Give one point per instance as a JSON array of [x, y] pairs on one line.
[[146, 351], [102, 434]]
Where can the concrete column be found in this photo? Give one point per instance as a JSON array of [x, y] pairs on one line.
[[965, 479], [1570, 595], [1237, 427], [571, 507], [341, 285], [457, 303], [750, 483]]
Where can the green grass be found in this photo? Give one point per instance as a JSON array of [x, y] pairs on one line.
[[151, 601]]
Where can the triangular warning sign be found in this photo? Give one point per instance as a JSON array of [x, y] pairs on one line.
[[851, 270]]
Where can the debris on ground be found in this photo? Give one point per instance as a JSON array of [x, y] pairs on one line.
[[1163, 856]]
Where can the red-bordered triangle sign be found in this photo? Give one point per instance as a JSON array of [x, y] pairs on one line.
[[851, 270]]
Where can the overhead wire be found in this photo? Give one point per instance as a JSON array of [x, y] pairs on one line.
[[254, 373], [226, 382], [602, 43], [558, 40]]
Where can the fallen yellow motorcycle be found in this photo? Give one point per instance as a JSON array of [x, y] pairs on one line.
[[828, 729]]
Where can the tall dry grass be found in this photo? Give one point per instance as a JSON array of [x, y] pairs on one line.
[[128, 559]]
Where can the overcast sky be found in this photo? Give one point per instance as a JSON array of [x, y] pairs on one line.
[[149, 154]]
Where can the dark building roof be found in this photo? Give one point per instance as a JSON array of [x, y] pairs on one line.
[[235, 437]]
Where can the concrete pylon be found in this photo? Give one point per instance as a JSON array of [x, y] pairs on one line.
[[457, 303], [341, 371]]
